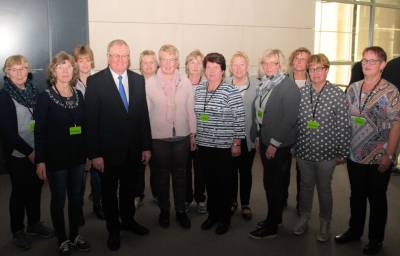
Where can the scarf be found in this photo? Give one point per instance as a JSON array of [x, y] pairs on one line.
[[26, 97], [268, 83], [169, 89]]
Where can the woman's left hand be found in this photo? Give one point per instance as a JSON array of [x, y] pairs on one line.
[[193, 146], [236, 151], [270, 152], [384, 163]]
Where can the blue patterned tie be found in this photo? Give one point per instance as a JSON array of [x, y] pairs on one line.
[[121, 91]]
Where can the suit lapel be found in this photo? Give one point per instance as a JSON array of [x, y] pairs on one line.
[[131, 82], [114, 93]]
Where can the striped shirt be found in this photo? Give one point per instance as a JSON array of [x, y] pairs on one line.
[[219, 115]]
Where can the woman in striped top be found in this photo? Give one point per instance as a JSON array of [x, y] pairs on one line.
[[220, 127]]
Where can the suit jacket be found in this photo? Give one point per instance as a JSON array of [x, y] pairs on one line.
[[117, 135], [9, 128]]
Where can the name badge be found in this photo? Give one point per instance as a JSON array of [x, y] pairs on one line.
[[312, 124], [203, 117], [75, 130], [260, 114], [359, 120], [31, 125]]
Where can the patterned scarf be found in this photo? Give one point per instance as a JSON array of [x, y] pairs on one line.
[[26, 97], [268, 83]]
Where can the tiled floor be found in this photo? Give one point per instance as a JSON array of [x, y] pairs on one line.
[[176, 241]]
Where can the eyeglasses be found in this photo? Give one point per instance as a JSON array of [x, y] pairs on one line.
[[16, 70], [119, 57], [299, 59], [371, 61], [316, 70], [270, 64], [168, 60]]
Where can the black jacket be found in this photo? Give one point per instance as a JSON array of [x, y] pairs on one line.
[[113, 133], [53, 143], [9, 127]]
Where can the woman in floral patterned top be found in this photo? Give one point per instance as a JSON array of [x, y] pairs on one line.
[[375, 120]]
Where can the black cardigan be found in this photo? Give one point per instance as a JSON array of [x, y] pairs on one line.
[[9, 127], [54, 145]]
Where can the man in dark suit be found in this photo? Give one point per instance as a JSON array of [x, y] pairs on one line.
[[119, 137]]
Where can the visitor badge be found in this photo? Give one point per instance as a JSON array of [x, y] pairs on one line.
[[31, 125], [203, 117], [75, 130], [359, 120], [312, 124], [260, 114]]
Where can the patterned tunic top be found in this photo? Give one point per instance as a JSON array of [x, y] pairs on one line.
[[332, 136], [220, 116], [379, 109]]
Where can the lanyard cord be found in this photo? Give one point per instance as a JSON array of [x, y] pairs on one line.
[[314, 107], [244, 89], [205, 99], [361, 107]]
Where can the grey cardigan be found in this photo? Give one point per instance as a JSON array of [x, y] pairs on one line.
[[280, 116], [248, 101]]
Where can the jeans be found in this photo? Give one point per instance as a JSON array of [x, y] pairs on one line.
[[316, 174], [66, 182], [25, 193]]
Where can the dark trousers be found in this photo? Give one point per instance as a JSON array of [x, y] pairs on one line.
[[287, 182], [218, 172], [274, 182], [26, 190], [367, 183], [199, 193], [66, 182], [140, 181], [118, 179], [242, 165], [95, 183], [169, 158]]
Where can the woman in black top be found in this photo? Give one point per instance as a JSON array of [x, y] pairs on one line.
[[17, 102], [60, 148]]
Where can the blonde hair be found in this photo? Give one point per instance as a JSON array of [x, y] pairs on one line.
[[272, 53], [193, 55], [82, 50], [239, 54], [147, 53], [319, 59], [169, 48], [61, 58], [16, 60]]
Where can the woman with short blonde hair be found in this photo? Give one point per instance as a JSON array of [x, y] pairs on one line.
[[275, 113], [17, 104], [247, 86]]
